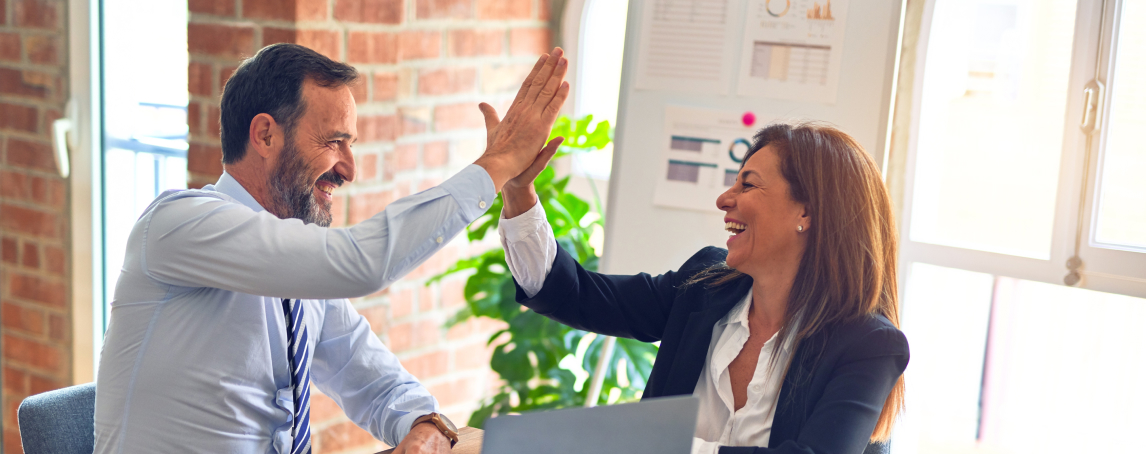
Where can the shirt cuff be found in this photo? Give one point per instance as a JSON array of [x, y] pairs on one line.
[[473, 189], [699, 446], [523, 225]]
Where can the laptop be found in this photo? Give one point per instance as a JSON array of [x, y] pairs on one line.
[[655, 426]]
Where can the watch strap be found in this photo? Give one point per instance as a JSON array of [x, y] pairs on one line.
[[435, 419]]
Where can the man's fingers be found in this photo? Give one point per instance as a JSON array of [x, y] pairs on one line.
[[555, 82], [490, 115], [544, 74], [554, 106]]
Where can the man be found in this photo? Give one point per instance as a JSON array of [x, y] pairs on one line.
[[232, 299]]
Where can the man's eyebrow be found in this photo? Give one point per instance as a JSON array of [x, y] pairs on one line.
[[343, 135]]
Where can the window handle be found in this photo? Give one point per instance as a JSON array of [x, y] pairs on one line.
[[1092, 93]]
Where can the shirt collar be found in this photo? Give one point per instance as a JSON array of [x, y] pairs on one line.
[[739, 316], [230, 186]]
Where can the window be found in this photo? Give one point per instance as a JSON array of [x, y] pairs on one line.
[[144, 50], [600, 37], [1022, 235]]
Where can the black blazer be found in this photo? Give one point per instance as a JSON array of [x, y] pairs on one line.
[[832, 394]]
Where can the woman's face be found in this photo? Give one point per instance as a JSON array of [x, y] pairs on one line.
[[763, 218]]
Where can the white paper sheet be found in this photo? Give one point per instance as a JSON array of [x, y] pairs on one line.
[[686, 46], [792, 49], [701, 153]]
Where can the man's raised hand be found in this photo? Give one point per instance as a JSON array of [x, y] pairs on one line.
[[514, 143]]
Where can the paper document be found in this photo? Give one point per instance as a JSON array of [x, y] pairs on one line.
[[686, 46], [792, 49], [702, 151]]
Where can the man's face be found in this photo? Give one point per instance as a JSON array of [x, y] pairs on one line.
[[316, 156]]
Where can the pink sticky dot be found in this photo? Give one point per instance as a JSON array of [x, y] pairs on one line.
[[748, 119]]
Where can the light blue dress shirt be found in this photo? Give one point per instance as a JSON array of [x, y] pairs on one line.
[[194, 358]]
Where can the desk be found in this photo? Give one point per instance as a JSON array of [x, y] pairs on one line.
[[469, 441]]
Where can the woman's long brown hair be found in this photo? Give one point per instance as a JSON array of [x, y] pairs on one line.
[[849, 267]]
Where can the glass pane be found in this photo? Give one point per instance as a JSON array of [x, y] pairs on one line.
[[1064, 361], [991, 124], [599, 76], [145, 115], [1122, 203], [945, 314]]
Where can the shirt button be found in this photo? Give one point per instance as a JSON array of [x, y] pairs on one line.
[[439, 240], [481, 204]]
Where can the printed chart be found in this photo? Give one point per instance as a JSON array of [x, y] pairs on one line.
[[703, 149], [686, 46], [792, 49]]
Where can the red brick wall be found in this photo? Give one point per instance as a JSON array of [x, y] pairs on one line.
[[426, 64], [34, 285]]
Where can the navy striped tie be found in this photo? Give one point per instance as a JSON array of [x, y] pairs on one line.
[[297, 349]]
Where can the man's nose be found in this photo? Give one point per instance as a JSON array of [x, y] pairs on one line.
[[346, 165]]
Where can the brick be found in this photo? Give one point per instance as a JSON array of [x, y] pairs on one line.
[[453, 294], [28, 320], [33, 288], [38, 384], [388, 166], [345, 436], [31, 222], [461, 330], [436, 154], [363, 206], [446, 81], [426, 299], [48, 192], [458, 391], [325, 42], [375, 317], [427, 332], [369, 11], [338, 211], [429, 365], [377, 128], [12, 437], [54, 260], [17, 117], [58, 328], [385, 87], [369, 47], [406, 157], [473, 356], [227, 41], [10, 47], [32, 353], [360, 91], [214, 7], [413, 120], [504, 9], [44, 50], [15, 381], [31, 256], [212, 126], [27, 84], [401, 303], [206, 159], [9, 250], [418, 45], [367, 165], [401, 336], [425, 184], [528, 41], [475, 43], [444, 9], [199, 79], [451, 117], [224, 76], [544, 10], [288, 10], [194, 118], [323, 408], [37, 13], [15, 185], [503, 78], [32, 155]]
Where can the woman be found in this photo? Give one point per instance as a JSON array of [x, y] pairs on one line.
[[790, 336]]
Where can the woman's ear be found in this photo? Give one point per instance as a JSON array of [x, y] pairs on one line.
[[805, 219], [266, 136]]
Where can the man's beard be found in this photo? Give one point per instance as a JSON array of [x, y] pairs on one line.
[[292, 194]]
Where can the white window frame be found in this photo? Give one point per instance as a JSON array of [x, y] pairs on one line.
[[1104, 269]]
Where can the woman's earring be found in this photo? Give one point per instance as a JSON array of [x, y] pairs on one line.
[[799, 228]]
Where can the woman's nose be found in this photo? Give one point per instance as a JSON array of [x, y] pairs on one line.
[[726, 201]]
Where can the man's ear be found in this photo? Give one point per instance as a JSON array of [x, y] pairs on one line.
[[266, 136]]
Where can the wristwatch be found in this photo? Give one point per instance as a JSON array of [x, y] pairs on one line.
[[443, 424]]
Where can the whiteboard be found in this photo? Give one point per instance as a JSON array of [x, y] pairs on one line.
[[641, 236]]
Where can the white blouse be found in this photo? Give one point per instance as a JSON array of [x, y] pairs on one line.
[[530, 250]]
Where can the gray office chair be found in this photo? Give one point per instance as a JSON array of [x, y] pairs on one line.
[[60, 421]]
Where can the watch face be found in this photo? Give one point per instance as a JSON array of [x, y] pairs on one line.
[[447, 422]]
